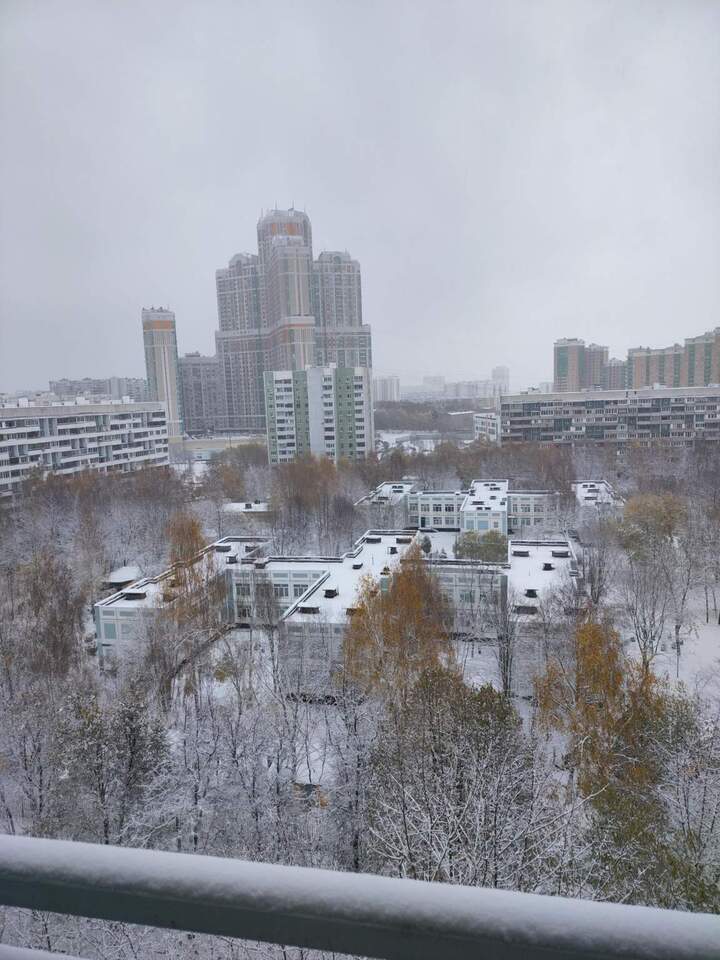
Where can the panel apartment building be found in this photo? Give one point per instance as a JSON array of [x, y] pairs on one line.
[[281, 309], [199, 393], [323, 411], [581, 366], [67, 438], [672, 416]]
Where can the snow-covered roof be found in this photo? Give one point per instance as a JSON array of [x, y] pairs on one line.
[[149, 591], [486, 496], [390, 492], [331, 596], [595, 492], [247, 506], [539, 566], [124, 575]]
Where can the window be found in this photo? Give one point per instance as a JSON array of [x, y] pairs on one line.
[[280, 590], [299, 589], [109, 630]]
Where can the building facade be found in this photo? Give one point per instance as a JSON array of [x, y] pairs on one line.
[[487, 505], [486, 426], [324, 411], [68, 438], [161, 364], [199, 383], [676, 417], [386, 389], [281, 309]]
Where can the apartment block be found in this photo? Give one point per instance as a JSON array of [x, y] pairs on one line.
[[675, 417], [199, 382], [324, 411], [386, 389], [281, 309], [67, 438]]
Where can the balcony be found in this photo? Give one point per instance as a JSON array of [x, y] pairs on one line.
[[341, 912]]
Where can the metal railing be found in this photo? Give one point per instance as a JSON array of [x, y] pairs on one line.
[[358, 914]]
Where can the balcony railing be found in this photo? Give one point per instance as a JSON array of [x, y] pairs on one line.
[[358, 914]]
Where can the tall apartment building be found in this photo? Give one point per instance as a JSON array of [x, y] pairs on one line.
[[596, 363], [67, 438], [199, 393], [280, 309], [569, 364], [581, 367], [386, 389], [324, 411], [672, 416], [161, 363], [501, 378]]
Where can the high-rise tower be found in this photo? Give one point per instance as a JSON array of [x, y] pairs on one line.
[[283, 310], [161, 363]]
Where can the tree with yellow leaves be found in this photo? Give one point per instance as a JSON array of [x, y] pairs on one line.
[[400, 628]]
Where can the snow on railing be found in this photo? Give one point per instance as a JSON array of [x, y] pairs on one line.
[[341, 912]]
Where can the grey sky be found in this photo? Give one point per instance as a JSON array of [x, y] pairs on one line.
[[506, 172]]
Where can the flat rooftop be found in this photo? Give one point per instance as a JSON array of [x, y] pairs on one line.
[[486, 496], [148, 592], [330, 597]]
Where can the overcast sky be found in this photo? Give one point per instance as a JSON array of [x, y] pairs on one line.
[[506, 172]]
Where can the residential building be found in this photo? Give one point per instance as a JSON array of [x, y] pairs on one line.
[[675, 417], [569, 364], [67, 438], [648, 368], [280, 309], [115, 388], [501, 377], [486, 426], [199, 382], [596, 364], [616, 374], [581, 367], [325, 411], [386, 389], [161, 363]]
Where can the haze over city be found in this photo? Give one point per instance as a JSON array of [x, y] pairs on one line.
[[506, 173]]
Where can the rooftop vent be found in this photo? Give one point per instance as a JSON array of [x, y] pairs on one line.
[[531, 592], [522, 553], [357, 566], [373, 539], [232, 558], [331, 592], [403, 539], [562, 554], [392, 549], [134, 594], [548, 566], [222, 548], [308, 609], [248, 506]]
